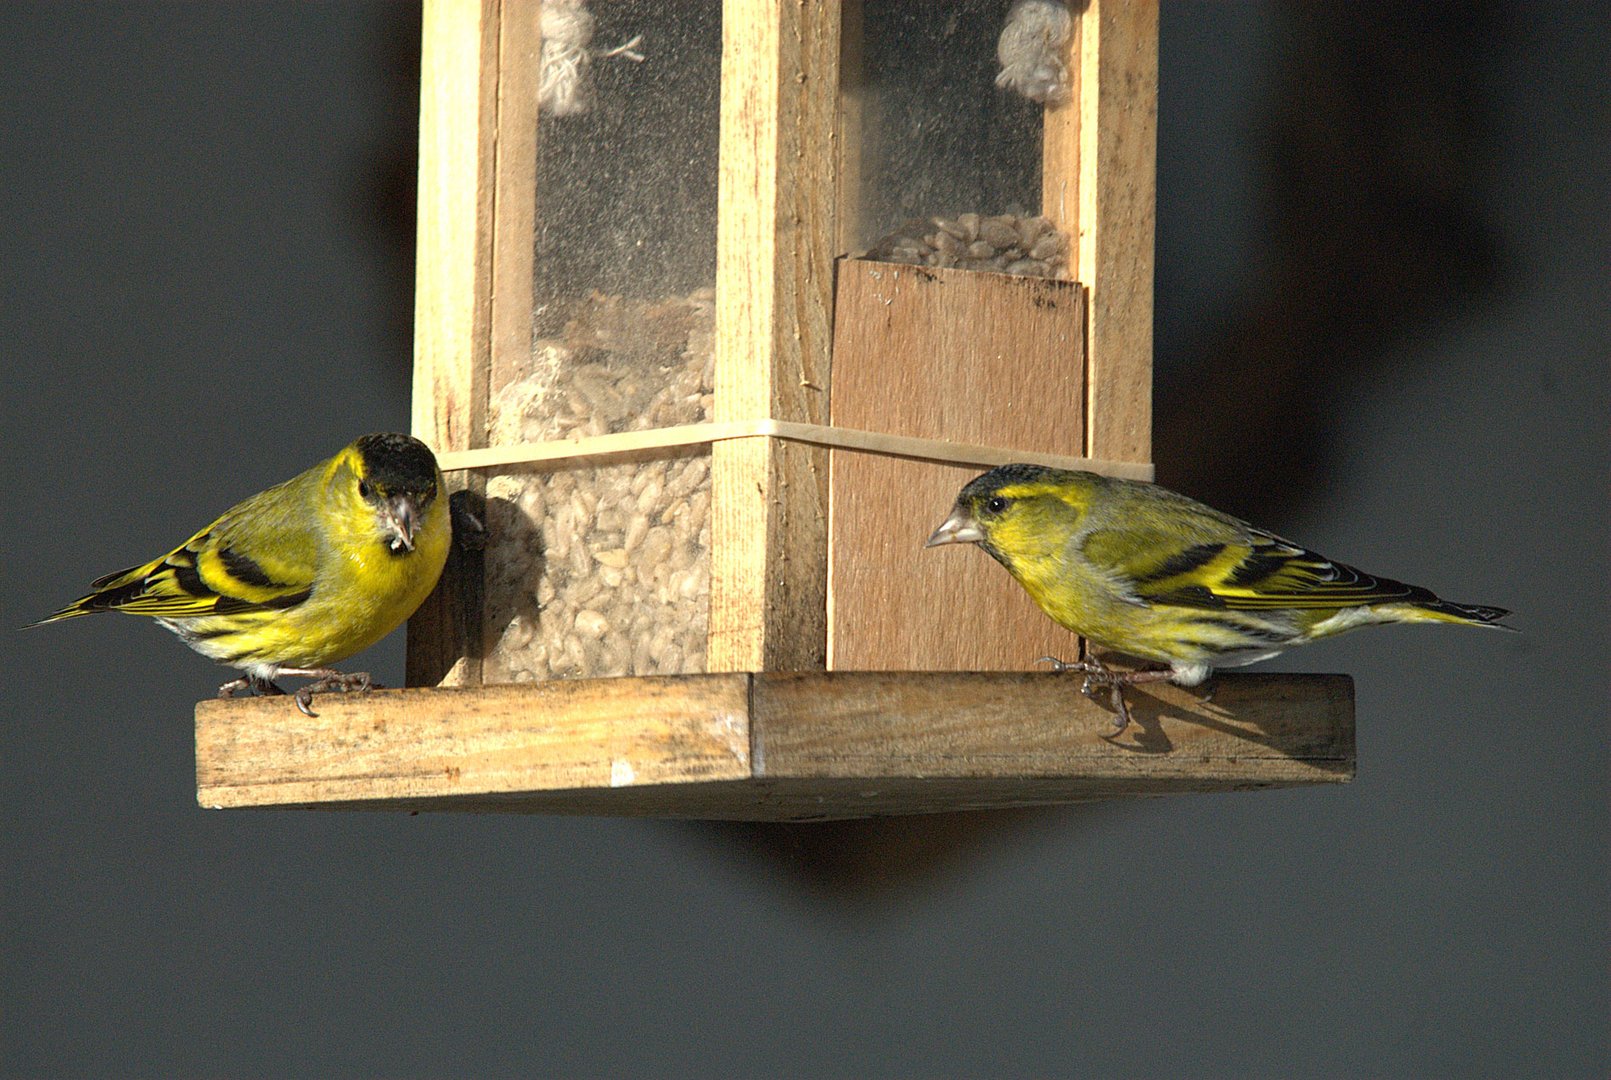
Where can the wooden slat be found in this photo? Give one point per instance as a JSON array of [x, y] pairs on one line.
[[1117, 98], [973, 357], [452, 309], [849, 133], [774, 273], [851, 725], [483, 741], [473, 312], [458, 110], [1060, 156], [1098, 185], [514, 195], [770, 746], [513, 253]]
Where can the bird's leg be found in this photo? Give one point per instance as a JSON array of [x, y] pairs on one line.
[[256, 684], [235, 686], [1099, 674], [327, 679]]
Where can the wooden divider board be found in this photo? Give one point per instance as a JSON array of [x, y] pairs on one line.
[[945, 354]]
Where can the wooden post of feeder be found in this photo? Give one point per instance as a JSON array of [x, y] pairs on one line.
[[473, 311], [1099, 186], [774, 299]]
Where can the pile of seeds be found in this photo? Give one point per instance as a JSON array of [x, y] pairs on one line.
[[1004, 244], [604, 570]]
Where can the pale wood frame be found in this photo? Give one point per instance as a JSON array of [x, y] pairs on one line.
[[473, 310], [783, 146], [775, 248]]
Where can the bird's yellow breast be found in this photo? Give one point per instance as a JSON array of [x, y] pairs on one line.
[[361, 592], [365, 589]]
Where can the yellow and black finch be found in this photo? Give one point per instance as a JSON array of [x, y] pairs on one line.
[[300, 576], [1138, 569]]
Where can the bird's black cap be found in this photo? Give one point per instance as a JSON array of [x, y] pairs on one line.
[[397, 463], [1006, 475]]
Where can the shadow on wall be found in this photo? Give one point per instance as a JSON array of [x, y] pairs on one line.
[[1375, 136], [1374, 140]]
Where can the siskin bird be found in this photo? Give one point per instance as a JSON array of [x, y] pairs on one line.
[[1141, 570], [302, 575]]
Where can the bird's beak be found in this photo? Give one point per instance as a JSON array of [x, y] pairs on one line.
[[959, 528], [402, 521]]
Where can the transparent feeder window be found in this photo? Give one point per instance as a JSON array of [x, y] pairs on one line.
[[605, 570], [945, 150]]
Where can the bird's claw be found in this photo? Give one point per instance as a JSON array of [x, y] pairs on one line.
[[342, 683], [1097, 675], [1121, 709], [324, 679]]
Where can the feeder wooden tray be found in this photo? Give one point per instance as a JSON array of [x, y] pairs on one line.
[[770, 746]]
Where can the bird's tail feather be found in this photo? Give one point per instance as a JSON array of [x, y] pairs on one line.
[[67, 612], [110, 591], [81, 606], [1468, 614]]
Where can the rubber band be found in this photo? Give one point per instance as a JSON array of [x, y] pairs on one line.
[[628, 444]]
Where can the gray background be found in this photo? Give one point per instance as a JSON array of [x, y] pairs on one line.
[[206, 286]]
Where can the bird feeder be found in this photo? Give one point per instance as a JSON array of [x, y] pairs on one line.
[[718, 306]]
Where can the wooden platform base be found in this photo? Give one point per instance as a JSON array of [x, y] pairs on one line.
[[770, 746]]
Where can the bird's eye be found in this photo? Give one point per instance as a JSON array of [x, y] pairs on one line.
[[996, 504], [365, 488]]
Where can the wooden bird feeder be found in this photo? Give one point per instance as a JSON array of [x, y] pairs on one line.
[[718, 306]]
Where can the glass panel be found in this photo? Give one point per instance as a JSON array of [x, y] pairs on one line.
[[944, 163], [605, 570]]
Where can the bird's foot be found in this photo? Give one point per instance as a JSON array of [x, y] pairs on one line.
[[263, 687], [327, 679], [1097, 674]]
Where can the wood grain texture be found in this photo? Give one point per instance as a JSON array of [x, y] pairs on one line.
[[776, 229], [770, 746], [560, 734], [452, 305], [974, 357], [514, 192], [973, 724], [513, 246], [1117, 98], [849, 134], [1060, 154]]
